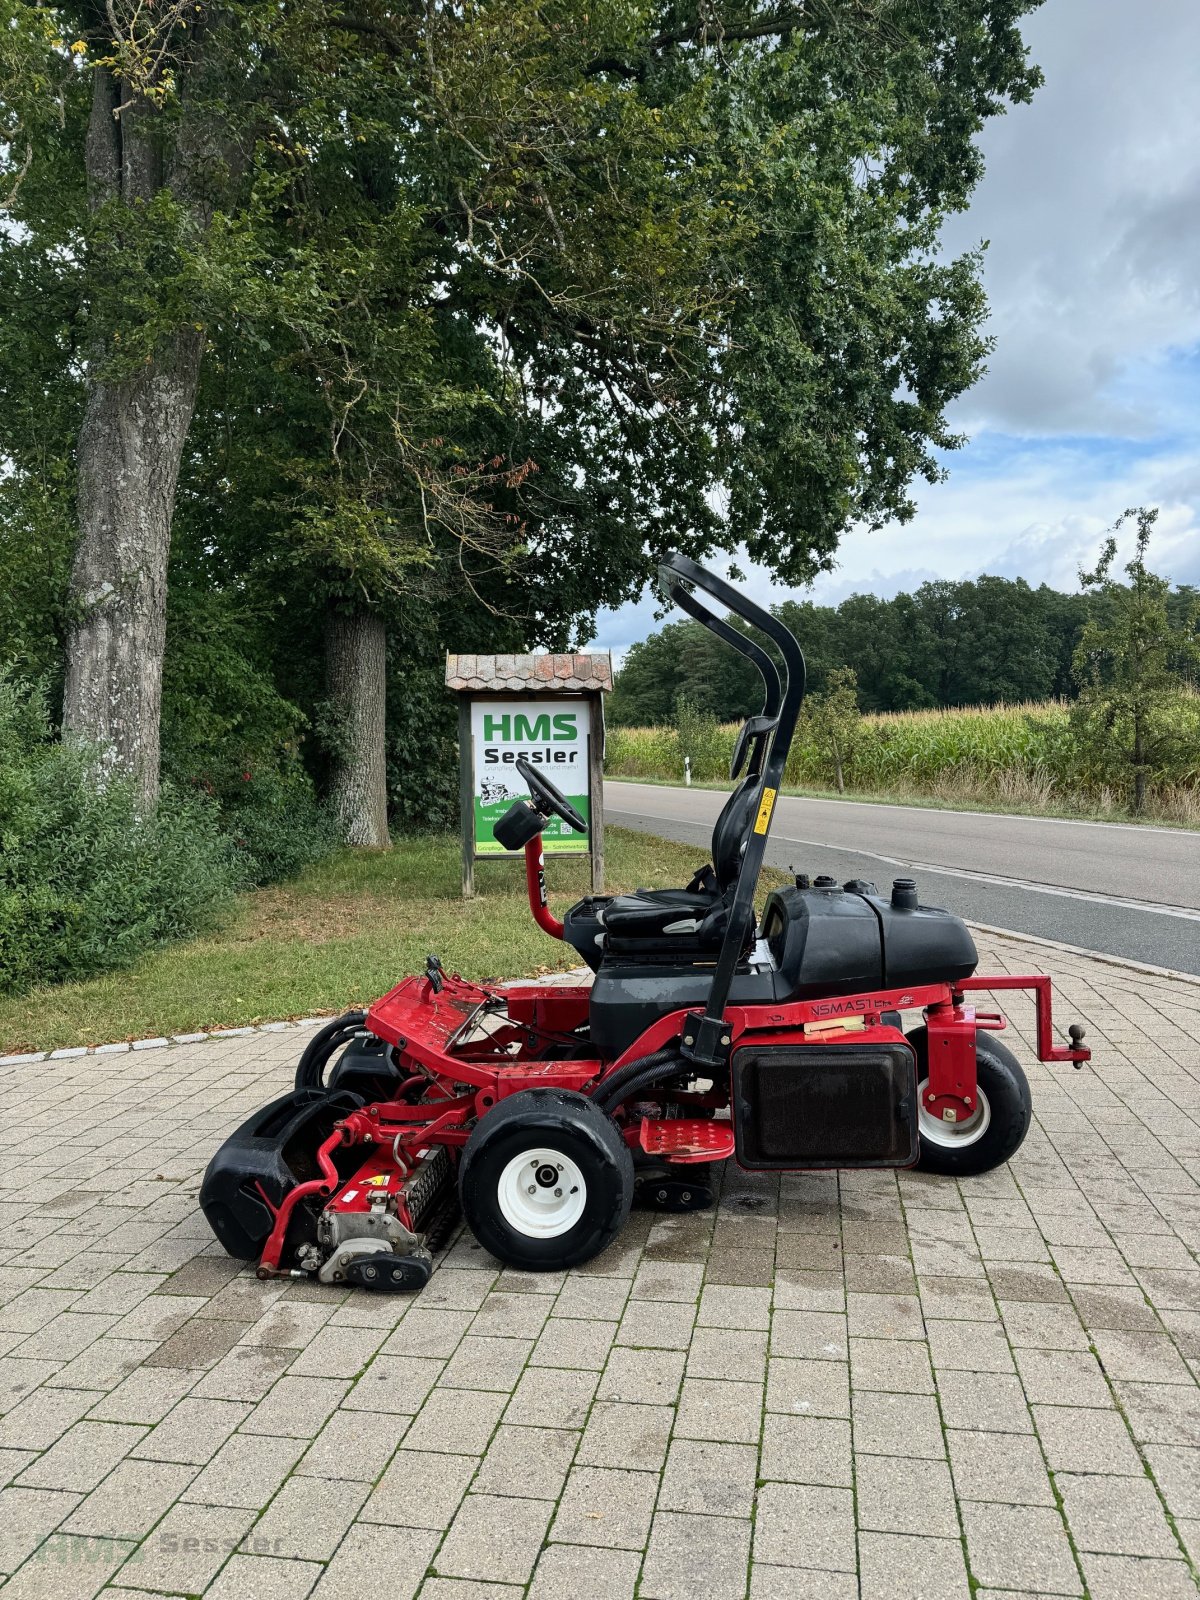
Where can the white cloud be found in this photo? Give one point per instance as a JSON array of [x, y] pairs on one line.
[[1091, 403]]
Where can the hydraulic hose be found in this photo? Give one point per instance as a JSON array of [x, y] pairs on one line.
[[310, 1069], [640, 1074]]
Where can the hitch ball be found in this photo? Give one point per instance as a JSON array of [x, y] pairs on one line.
[[1075, 1034]]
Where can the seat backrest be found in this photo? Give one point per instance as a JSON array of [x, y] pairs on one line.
[[732, 830]]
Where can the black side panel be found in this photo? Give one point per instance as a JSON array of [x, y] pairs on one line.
[[922, 944], [366, 1068], [628, 997], [824, 941], [276, 1148], [825, 1105]]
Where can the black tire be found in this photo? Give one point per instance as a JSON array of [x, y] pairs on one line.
[[310, 1070], [589, 1214], [1004, 1092]]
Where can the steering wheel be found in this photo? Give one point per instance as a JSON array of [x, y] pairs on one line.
[[549, 800]]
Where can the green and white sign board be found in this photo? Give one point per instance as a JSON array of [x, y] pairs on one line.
[[550, 733]]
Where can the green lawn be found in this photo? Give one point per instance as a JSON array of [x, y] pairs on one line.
[[339, 935]]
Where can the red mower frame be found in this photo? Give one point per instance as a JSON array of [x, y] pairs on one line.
[[458, 1051]]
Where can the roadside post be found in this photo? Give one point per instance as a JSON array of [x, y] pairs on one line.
[[550, 709]]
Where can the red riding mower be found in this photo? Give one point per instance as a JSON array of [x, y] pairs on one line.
[[546, 1110]]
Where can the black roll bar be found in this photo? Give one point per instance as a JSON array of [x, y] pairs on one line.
[[751, 742], [706, 1039]]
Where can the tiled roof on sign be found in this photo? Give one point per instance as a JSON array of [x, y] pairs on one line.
[[570, 674]]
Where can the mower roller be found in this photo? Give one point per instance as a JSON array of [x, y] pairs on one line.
[[705, 1033]]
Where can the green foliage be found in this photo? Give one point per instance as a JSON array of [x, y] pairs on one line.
[[984, 641], [701, 741], [86, 883], [832, 723], [1132, 723], [277, 826]]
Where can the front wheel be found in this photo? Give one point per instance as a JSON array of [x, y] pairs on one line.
[[1000, 1122], [546, 1180]]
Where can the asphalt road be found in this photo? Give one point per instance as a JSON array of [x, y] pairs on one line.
[[1120, 890]]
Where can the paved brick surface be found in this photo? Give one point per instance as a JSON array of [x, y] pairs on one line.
[[832, 1386]]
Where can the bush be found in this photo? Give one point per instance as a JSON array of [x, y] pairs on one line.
[[86, 882], [277, 826]]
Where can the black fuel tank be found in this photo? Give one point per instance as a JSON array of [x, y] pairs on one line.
[[838, 941]]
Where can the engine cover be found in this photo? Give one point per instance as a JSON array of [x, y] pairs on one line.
[[850, 1104]]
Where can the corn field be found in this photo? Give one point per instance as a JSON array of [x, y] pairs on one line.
[[1021, 754]]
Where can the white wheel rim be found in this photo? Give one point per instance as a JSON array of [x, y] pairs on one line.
[[542, 1193], [953, 1135]]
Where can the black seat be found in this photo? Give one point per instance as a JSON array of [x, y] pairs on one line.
[[669, 921]]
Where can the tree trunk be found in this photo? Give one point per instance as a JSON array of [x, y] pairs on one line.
[[130, 446], [356, 680]]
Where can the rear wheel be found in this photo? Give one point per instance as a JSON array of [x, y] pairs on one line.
[[996, 1130], [546, 1180]]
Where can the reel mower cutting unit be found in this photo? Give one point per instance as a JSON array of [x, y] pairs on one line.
[[705, 1033]]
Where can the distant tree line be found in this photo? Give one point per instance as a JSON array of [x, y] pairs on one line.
[[981, 641]]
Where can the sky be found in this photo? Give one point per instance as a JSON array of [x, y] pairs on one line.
[[1091, 402]]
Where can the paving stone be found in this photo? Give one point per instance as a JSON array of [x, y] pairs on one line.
[[458, 1420], [1176, 1470], [26, 1517], [991, 1401], [307, 1518], [646, 1377], [720, 1409], [606, 1506], [38, 1419], [601, 1298], [380, 1561], [145, 1396], [193, 1432], [885, 1316], [246, 1471], [899, 1366], [571, 1342], [264, 1578], [802, 1290], [1042, 1325], [816, 1388], [893, 1498], [790, 1583], [69, 1566], [572, 1572], [1082, 1439], [298, 1407], [619, 1434], [482, 1362], [1063, 1377], [337, 1352], [1161, 1413], [1115, 1516], [999, 1466], [973, 1346], [1141, 1357], [726, 1353], [512, 1316], [815, 1335], [552, 1397], [84, 1456], [668, 1280], [806, 1449], [801, 1522], [1131, 1578], [392, 1383], [657, 1324], [891, 1424], [344, 1448], [529, 1462], [705, 1477], [689, 1555], [1020, 1547], [467, 1589], [729, 1307], [420, 1488], [184, 1552], [909, 1567], [494, 1537]]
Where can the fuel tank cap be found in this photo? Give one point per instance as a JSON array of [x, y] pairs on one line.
[[904, 894]]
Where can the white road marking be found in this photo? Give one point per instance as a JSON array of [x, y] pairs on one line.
[[997, 881]]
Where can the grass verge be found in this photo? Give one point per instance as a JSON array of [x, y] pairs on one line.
[[339, 935]]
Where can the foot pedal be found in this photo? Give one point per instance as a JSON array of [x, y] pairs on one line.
[[389, 1273], [674, 1194]]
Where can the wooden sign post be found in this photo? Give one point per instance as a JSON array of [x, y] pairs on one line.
[[550, 709]]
